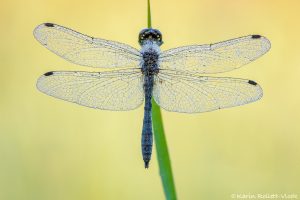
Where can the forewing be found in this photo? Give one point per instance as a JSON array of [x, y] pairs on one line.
[[216, 58], [114, 90], [188, 93], [84, 50]]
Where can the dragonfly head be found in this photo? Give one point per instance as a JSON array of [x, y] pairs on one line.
[[153, 35]]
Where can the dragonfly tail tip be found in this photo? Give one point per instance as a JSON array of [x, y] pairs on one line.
[[146, 164]]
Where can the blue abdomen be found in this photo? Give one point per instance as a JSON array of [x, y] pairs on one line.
[[147, 136]]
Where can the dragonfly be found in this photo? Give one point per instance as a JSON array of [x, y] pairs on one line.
[[173, 78]]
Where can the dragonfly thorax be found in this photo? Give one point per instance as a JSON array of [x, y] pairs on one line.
[[150, 55]]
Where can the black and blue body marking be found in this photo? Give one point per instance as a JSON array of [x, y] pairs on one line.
[[150, 40]]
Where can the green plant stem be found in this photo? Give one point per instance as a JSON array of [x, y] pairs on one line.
[[164, 163], [149, 15]]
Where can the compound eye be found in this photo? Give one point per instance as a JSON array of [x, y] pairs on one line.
[[159, 37]]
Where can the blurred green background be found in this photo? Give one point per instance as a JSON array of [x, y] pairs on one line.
[[51, 149]]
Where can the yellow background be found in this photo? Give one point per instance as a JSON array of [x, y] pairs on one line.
[[55, 150]]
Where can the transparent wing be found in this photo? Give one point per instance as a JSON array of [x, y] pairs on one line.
[[188, 93], [115, 90], [215, 58], [84, 50]]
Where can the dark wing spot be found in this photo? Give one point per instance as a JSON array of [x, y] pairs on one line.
[[48, 74], [252, 82], [256, 36], [49, 24]]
